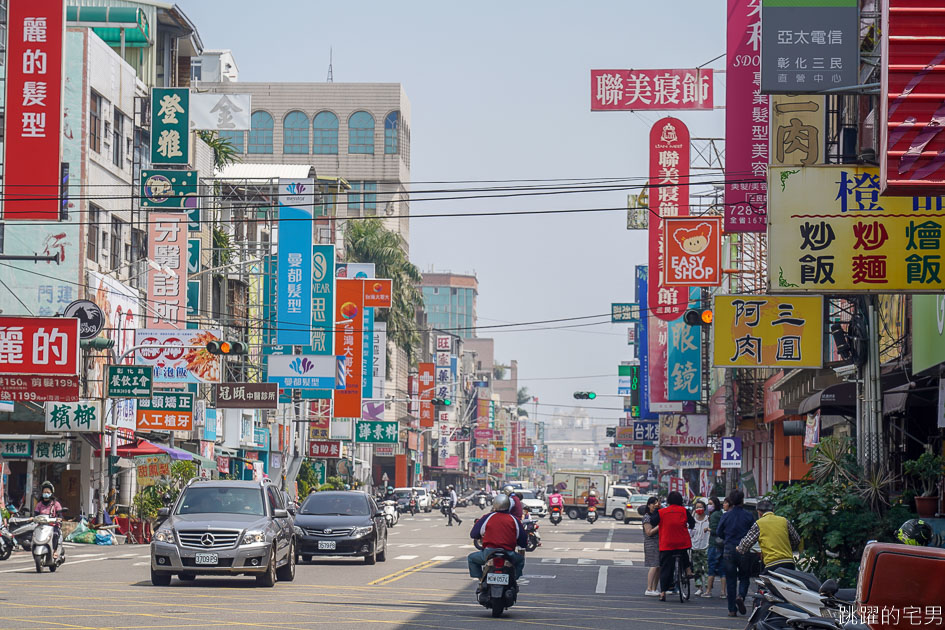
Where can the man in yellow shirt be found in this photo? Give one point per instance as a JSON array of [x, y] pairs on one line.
[[775, 534]]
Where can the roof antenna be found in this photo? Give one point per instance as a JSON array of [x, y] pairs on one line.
[[331, 77]]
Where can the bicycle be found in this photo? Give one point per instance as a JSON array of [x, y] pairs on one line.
[[681, 579]]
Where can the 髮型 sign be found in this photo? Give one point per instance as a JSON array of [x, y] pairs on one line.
[[809, 45], [170, 125], [84, 416], [167, 189], [768, 331], [130, 381], [247, 396]]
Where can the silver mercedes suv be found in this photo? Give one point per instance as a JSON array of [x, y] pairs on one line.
[[225, 528]]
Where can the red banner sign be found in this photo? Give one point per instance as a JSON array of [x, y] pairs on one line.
[[625, 90], [349, 332], [668, 197], [693, 249], [39, 388], [329, 448], [377, 293], [33, 110], [913, 63], [39, 345], [426, 387]]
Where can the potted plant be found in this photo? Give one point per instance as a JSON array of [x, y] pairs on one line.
[[928, 468]]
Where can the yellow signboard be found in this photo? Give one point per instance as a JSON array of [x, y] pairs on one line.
[[768, 331], [830, 231]]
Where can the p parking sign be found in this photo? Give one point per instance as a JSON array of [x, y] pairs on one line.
[[731, 452]]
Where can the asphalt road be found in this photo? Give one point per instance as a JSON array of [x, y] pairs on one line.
[[582, 576]]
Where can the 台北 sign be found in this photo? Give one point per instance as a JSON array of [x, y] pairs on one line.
[[682, 429], [375, 431], [167, 244], [301, 371], [669, 178], [170, 411], [295, 257], [33, 117], [646, 431], [130, 381], [326, 449], [622, 312], [830, 231], [39, 345], [247, 395], [809, 45], [768, 331], [170, 125], [628, 90], [77, 417], [693, 251], [220, 112], [168, 189], [178, 355]]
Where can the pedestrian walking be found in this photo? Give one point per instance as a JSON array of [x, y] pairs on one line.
[[700, 545], [651, 548], [732, 528], [451, 509], [776, 536], [714, 552]]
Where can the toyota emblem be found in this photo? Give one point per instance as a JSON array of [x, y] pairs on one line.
[[328, 531], [207, 540]]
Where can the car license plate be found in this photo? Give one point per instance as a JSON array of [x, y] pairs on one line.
[[328, 545], [206, 558], [497, 578]]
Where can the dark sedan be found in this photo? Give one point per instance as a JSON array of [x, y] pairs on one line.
[[341, 524]]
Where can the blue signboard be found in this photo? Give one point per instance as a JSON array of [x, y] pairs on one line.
[[294, 293], [210, 425], [367, 365], [684, 358], [323, 292], [646, 431], [645, 413], [731, 452]]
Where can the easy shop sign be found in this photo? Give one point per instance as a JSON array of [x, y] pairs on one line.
[[693, 251]]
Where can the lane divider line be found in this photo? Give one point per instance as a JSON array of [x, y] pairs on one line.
[[393, 577], [601, 580]]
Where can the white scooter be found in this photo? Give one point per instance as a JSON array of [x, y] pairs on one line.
[[45, 552], [390, 512]]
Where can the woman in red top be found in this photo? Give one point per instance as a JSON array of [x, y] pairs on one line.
[[674, 522]]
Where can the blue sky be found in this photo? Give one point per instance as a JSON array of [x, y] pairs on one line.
[[500, 90]]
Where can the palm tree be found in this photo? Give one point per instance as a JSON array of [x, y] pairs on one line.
[[368, 241]]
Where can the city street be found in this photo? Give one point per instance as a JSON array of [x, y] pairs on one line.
[[582, 576]]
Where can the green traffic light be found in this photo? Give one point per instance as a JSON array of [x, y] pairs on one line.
[[447, 402], [591, 395]]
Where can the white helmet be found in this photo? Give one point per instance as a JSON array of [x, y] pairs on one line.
[[593, 493], [508, 489], [501, 503]]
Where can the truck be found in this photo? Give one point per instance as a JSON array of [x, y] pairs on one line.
[[574, 485]]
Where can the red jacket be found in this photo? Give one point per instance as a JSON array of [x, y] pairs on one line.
[[499, 530], [674, 528]]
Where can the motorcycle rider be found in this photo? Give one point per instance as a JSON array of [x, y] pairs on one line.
[[556, 500], [775, 534], [505, 532], [591, 500], [50, 506], [451, 508], [516, 509]]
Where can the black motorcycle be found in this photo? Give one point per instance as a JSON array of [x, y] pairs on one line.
[[534, 540], [555, 515], [7, 542], [498, 589], [412, 506]]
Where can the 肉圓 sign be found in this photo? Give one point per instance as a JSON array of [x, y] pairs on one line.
[[247, 396], [168, 411], [39, 345], [628, 90], [830, 231], [130, 381], [768, 331], [809, 45]]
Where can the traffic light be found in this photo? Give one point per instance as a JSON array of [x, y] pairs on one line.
[[97, 343], [616, 445], [227, 348], [585, 395], [446, 402], [698, 317]]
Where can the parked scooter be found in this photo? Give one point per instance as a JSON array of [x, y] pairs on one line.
[[21, 527], [390, 512], [498, 589], [555, 516], [47, 551], [7, 542], [785, 596]]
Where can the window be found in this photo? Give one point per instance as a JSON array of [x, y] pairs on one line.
[[390, 132], [621, 492], [370, 197], [260, 134], [361, 133], [354, 196], [295, 133], [95, 215], [115, 249], [325, 129], [196, 70], [118, 131], [95, 122], [235, 138]]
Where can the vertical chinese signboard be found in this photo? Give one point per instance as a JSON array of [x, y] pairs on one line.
[[323, 306], [426, 387], [33, 110], [768, 331], [170, 125], [167, 242], [684, 360], [797, 129], [669, 197], [629, 90], [294, 312], [349, 325], [746, 126], [641, 295], [912, 145]]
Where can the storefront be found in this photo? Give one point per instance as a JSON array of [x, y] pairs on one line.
[[29, 460]]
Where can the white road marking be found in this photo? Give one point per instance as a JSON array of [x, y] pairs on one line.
[[551, 560], [623, 563], [141, 564], [411, 545], [442, 558], [602, 580], [610, 536], [587, 561], [441, 546], [406, 557], [540, 577]]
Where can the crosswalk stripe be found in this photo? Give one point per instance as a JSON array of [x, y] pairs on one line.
[[442, 558], [406, 557]]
